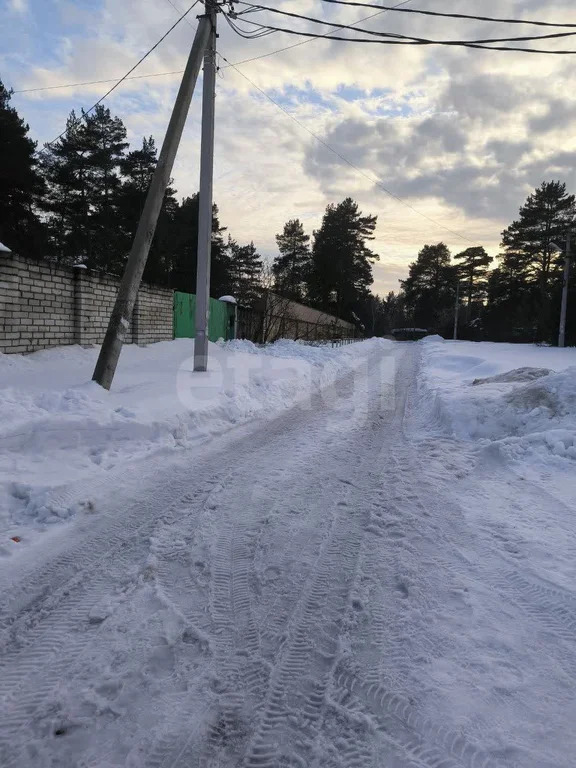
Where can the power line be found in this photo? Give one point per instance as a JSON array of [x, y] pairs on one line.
[[97, 82], [421, 42], [393, 35], [247, 34], [344, 159], [451, 15], [121, 80], [303, 42], [180, 71]]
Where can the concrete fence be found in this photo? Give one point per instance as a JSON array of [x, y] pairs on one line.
[[43, 305]]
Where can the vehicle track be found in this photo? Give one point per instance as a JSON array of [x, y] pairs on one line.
[[302, 674], [417, 735], [294, 608], [33, 664], [550, 605]]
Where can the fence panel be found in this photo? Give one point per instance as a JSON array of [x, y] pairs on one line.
[[185, 317]]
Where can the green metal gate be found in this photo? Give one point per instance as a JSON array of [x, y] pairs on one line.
[[185, 317]]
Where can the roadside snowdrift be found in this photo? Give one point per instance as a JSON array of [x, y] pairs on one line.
[[522, 397], [57, 426]]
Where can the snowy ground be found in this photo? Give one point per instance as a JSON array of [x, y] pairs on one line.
[[59, 427], [515, 402], [365, 575]]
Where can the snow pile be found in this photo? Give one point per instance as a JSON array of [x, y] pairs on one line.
[[57, 426], [522, 397], [518, 374]]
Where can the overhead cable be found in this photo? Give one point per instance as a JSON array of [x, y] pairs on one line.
[[452, 15], [416, 42], [397, 36], [121, 80], [180, 71]]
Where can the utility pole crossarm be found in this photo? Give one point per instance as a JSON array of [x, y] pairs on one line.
[[125, 300]]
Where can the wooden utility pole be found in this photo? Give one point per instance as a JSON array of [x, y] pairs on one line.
[[124, 306]]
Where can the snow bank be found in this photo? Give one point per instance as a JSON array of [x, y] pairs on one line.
[[520, 396], [57, 426]]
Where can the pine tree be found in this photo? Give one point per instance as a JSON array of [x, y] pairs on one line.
[[341, 270], [20, 183], [512, 305], [137, 169], [67, 198], [430, 287], [545, 218], [291, 268], [245, 269], [394, 312], [83, 173], [473, 274], [185, 250]]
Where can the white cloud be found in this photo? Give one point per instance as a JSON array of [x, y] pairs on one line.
[[18, 6], [463, 135]]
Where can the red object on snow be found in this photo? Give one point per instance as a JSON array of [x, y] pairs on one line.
[[16, 539]]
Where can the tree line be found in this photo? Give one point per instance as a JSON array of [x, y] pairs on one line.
[[517, 300], [79, 201]]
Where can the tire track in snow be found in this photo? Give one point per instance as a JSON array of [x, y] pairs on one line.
[[401, 516], [416, 734], [242, 674], [33, 668], [301, 676], [239, 687], [327, 588], [548, 604], [26, 603], [302, 534], [349, 735]]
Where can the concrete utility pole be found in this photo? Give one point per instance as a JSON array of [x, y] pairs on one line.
[[205, 196], [124, 306], [456, 311], [564, 307]]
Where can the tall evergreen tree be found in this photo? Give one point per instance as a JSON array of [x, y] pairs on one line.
[[292, 266], [185, 250], [20, 183], [245, 270], [66, 201], [394, 312], [341, 270], [430, 287], [545, 218], [511, 313], [83, 174], [473, 273], [137, 169]]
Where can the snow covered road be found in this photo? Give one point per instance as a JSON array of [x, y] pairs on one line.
[[323, 589]]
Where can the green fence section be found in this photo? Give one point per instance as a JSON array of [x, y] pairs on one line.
[[185, 313], [219, 325]]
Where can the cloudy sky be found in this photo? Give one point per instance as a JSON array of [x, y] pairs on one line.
[[461, 135]]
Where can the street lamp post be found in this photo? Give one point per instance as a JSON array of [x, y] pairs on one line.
[[564, 305], [456, 311]]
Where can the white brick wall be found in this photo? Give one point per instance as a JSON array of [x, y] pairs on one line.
[[42, 305]]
